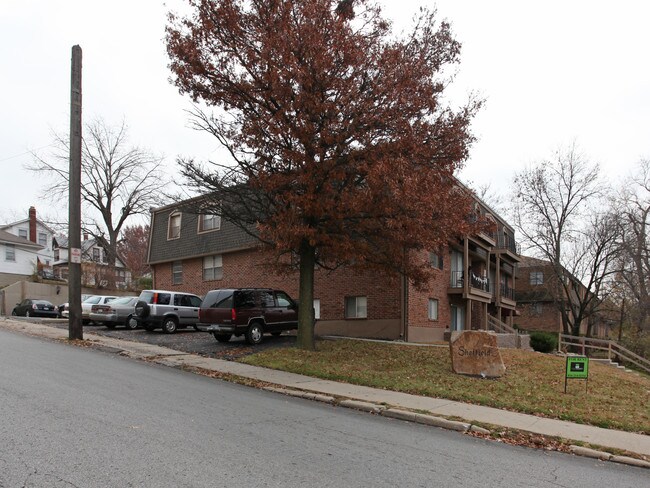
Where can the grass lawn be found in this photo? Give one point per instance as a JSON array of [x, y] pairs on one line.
[[533, 383]]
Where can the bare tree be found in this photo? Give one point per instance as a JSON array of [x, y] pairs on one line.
[[555, 211], [118, 181], [632, 205]]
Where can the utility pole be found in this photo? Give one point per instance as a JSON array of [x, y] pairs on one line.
[[75, 325]]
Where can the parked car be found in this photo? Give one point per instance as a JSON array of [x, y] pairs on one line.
[[117, 312], [167, 310], [251, 312], [35, 308], [87, 304], [64, 308]]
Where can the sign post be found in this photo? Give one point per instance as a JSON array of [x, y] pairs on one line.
[[577, 367]]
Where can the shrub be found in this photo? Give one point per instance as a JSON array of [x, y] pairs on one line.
[[543, 341]]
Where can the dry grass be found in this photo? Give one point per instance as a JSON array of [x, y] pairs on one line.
[[533, 383]]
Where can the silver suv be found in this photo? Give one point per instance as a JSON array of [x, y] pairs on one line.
[[168, 310]]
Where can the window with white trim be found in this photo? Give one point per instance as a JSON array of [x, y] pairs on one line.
[[174, 228], [212, 268], [177, 272], [536, 278], [96, 254], [22, 233], [10, 252], [42, 239], [433, 309], [356, 307], [208, 222]]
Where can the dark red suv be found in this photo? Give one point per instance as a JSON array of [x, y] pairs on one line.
[[251, 312]]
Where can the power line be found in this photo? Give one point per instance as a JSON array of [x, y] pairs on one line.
[[26, 152]]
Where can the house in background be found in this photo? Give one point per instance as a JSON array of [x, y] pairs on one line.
[[537, 306], [472, 287], [95, 271], [26, 249]]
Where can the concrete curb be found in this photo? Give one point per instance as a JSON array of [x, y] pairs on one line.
[[302, 394], [605, 456]]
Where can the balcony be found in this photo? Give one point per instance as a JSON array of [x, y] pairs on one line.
[[478, 289], [507, 292], [507, 242]]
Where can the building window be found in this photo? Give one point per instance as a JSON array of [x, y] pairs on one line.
[[212, 268], [356, 307], [174, 229], [177, 272], [208, 222], [316, 308], [56, 255], [433, 309], [536, 309], [42, 239], [435, 260], [536, 278], [22, 233], [96, 255], [10, 252]]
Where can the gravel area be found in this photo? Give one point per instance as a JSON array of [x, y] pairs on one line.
[[191, 341]]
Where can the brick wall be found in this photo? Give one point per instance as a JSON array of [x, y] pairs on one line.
[[248, 269]]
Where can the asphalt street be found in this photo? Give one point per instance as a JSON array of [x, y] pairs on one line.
[[85, 418]]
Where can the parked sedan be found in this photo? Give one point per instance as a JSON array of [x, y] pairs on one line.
[[64, 308], [116, 312], [35, 308], [86, 305]]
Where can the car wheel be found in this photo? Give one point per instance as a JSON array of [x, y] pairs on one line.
[[222, 337], [142, 309], [169, 325], [254, 333], [276, 333], [13, 312], [131, 323], [196, 327], [27, 314]]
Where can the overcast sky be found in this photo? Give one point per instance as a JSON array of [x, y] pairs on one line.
[[551, 72]]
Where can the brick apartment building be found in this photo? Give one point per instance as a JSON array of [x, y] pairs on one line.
[[537, 307], [473, 284]]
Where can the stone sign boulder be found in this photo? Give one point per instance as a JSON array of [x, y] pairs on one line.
[[475, 353]]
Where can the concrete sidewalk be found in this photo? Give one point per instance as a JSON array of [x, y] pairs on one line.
[[636, 443]]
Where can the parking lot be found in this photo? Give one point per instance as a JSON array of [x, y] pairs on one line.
[[190, 341]]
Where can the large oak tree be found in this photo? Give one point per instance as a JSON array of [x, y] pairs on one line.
[[342, 148]]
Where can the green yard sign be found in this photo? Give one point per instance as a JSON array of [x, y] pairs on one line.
[[577, 367]]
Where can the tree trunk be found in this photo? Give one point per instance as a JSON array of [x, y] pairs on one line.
[[305, 338]]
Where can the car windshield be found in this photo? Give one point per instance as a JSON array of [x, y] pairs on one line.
[[42, 302], [92, 299]]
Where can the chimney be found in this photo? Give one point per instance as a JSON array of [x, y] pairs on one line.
[[32, 224]]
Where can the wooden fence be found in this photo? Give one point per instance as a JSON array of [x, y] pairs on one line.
[[588, 345]]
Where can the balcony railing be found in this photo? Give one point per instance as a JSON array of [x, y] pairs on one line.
[[505, 241], [457, 281], [480, 283], [507, 292]]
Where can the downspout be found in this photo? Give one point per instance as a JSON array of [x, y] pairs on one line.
[[404, 298]]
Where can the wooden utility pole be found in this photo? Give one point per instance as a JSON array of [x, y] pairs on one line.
[[75, 325]]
